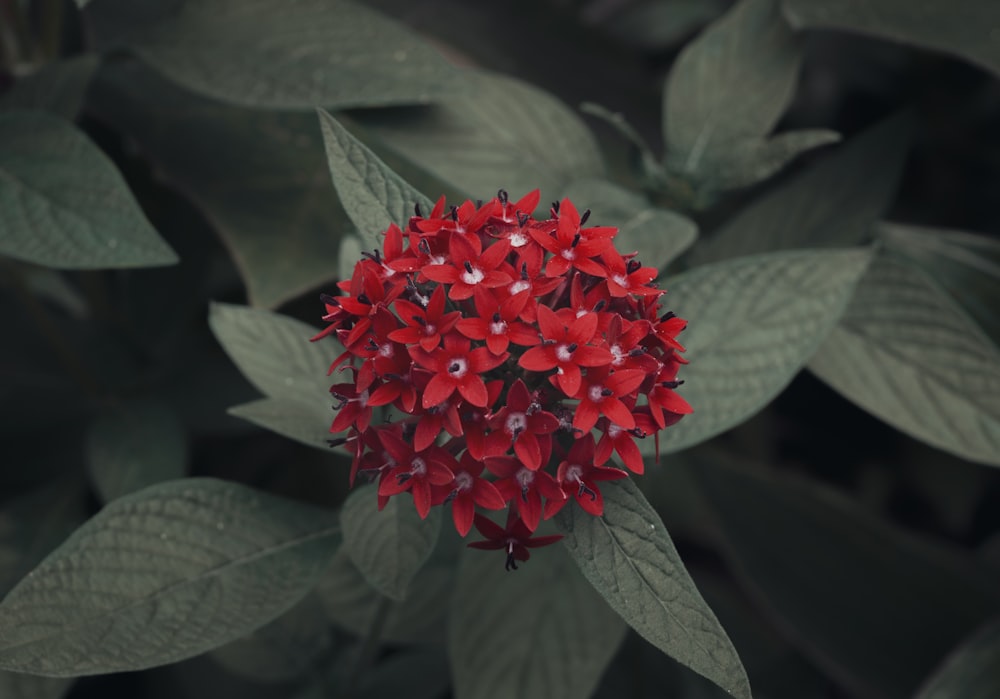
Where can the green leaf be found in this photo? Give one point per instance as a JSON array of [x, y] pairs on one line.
[[872, 605], [136, 445], [966, 28], [659, 235], [661, 24], [14, 685], [824, 205], [333, 53], [906, 352], [164, 574], [965, 265], [504, 134], [753, 323], [415, 673], [725, 94], [351, 602], [258, 177], [306, 424], [58, 87], [274, 353], [970, 672], [372, 195], [389, 546], [282, 650], [64, 204], [628, 557], [538, 633]]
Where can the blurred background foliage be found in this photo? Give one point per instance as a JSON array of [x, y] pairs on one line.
[[849, 545]]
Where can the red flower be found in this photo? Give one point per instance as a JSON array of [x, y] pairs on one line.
[[578, 477], [564, 347], [456, 367], [424, 326], [497, 323], [520, 484], [572, 247], [520, 424], [515, 538], [601, 394], [415, 471], [467, 491], [470, 266]]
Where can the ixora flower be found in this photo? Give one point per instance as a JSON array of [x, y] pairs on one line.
[[501, 362]]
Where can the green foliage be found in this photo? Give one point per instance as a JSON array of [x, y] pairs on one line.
[[937, 380], [627, 555], [58, 87], [333, 53], [760, 319], [773, 530], [390, 545], [572, 632], [970, 671], [163, 574], [64, 203]]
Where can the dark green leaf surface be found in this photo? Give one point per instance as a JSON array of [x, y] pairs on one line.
[[971, 672], [136, 445], [282, 650], [58, 87], [164, 574], [965, 265], [65, 205], [725, 94], [14, 685], [753, 323], [876, 607], [296, 55], [628, 557], [906, 352], [555, 646], [658, 235], [371, 193], [966, 28], [389, 546], [259, 177], [660, 24], [274, 353], [416, 673], [504, 134], [824, 205], [306, 424], [351, 602]]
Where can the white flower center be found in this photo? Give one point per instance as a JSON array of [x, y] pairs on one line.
[[518, 240], [418, 466], [596, 393], [563, 354], [363, 398], [458, 367], [615, 430], [568, 254], [430, 329], [463, 481], [385, 350], [498, 328], [473, 277], [516, 422], [524, 478], [617, 356], [620, 280], [519, 286], [438, 260], [574, 473]]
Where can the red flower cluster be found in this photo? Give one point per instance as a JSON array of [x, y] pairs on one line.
[[493, 342]]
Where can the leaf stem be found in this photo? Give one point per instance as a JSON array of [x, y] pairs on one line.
[[369, 647]]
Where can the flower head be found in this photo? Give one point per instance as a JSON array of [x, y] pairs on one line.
[[495, 361]]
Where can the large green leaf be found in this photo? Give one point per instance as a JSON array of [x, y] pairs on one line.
[[14, 685], [628, 557], [753, 323], [309, 425], [966, 28], [274, 353], [965, 265], [259, 177], [58, 87], [971, 672], [136, 445], [333, 53], [872, 605], [164, 574], [64, 204], [725, 94], [504, 134], [351, 602], [372, 194], [414, 673], [825, 205], [388, 546], [658, 235], [906, 352], [556, 645], [660, 24]]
